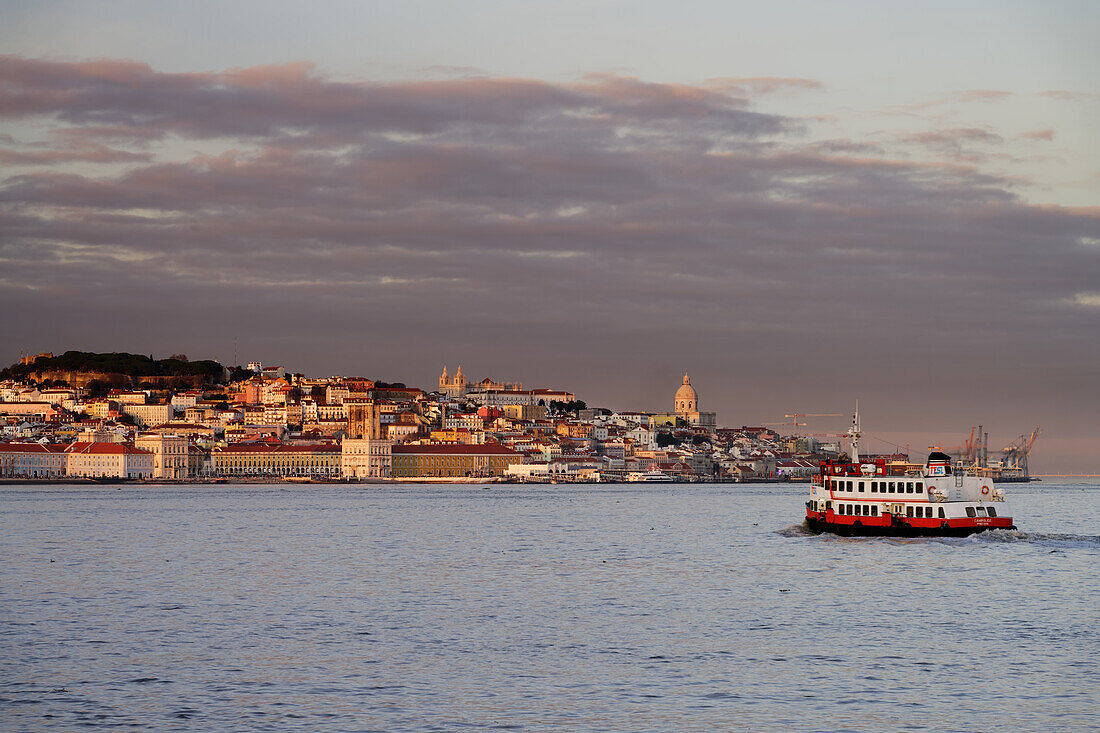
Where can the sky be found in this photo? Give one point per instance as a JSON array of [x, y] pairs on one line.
[[801, 204]]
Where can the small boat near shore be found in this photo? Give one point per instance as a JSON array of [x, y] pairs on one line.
[[873, 498]]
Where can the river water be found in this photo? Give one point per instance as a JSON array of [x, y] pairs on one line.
[[573, 608]]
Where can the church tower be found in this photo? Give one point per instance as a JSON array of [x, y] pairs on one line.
[[454, 387]]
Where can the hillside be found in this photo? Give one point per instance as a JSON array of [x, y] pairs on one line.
[[119, 368]]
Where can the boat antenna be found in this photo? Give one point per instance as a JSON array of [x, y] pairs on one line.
[[853, 434]]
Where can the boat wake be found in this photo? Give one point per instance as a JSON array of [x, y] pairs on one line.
[[993, 536], [796, 530], [1045, 539]]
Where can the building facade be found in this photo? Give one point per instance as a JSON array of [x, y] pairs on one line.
[[686, 406], [32, 460], [108, 460], [170, 459], [452, 460], [276, 460], [365, 458], [453, 386]]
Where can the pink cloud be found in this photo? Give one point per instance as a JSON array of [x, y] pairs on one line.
[[1046, 134]]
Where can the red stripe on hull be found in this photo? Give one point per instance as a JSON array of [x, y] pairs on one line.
[[897, 526]]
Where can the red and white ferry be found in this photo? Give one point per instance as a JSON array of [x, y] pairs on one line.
[[903, 500]]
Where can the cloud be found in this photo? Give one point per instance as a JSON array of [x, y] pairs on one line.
[[1045, 134], [89, 154], [971, 96], [1089, 300], [757, 85], [1065, 95], [574, 226], [269, 101]]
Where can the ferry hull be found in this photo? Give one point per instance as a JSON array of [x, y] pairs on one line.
[[884, 527]]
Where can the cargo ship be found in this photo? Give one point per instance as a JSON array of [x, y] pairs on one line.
[[873, 498]]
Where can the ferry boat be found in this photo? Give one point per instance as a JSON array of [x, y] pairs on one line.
[[873, 498], [649, 476]]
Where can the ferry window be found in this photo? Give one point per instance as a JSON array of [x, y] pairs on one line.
[[908, 511], [992, 511], [981, 511], [920, 487], [874, 487], [942, 515], [866, 510], [849, 486], [891, 487], [861, 486], [970, 511], [874, 511], [909, 488]]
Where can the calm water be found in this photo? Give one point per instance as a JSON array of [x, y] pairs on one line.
[[671, 608]]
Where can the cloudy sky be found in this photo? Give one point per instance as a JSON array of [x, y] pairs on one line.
[[801, 205]]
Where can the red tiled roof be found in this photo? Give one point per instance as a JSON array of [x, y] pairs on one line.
[[32, 448], [482, 449], [282, 448], [101, 449]]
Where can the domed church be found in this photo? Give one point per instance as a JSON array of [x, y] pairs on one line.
[[686, 406]]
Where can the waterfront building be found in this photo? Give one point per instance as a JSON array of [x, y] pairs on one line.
[[32, 460], [170, 454], [362, 458], [276, 459], [108, 460], [452, 460]]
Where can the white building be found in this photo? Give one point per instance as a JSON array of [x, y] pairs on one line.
[[108, 460], [32, 460], [362, 458]]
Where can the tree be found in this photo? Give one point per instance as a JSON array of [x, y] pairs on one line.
[[96, 389], [664, 440]]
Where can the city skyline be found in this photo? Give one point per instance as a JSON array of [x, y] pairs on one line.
[[897, 207]]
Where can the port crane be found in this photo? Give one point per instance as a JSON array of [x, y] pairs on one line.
[[973, 455], [1016, 452]]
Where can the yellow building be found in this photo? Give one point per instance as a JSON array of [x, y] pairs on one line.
[[277, 459], [452, 460], [170, 454]]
